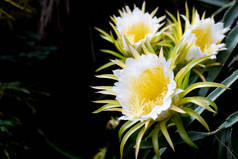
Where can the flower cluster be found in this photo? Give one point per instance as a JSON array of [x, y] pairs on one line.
[[157, 56]]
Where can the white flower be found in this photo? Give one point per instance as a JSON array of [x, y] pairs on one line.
[[136, 26], [145, 88], [205, 36]]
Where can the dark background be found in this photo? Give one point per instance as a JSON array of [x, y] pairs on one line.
[[63, 121]]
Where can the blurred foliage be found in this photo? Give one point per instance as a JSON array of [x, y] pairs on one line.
[[28, 51], [12, 10], [20, 47]]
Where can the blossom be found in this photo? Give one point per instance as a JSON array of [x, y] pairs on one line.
[[145, 88], [136, 26], [205, 37], [148, 93], [151, 89]]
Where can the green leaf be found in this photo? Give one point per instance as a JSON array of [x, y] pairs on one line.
[[230, 15], [229, 153], [227, 82], [155, 136], [224, 143], [223, 8], [230, 120], [196, 135], [128, 134], [234, 140], [219, 3], [161, 151], [231, 42], [182, 132], [218, 91], [145, 154]]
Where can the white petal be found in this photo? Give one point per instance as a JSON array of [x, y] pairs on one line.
[[124, 90], [194, 52], [205, 38]]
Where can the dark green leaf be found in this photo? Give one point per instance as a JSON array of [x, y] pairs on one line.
[[218, 91], [230, 15], [224, 145], [229, 151], [223, 8], [221, 143], [234, 140], [231, 120], [161, 151], [145, 154], [194, 135], [219, 3]]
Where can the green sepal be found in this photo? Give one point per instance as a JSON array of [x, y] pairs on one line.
[[128, 134], [140, 135], [105, 107], [181, 74], [114, 53], [195, 115], [105, 66], [107, 76], [182, 132], [201, 85], [165, 133], [155, 136], [124, 127], [201, 101]]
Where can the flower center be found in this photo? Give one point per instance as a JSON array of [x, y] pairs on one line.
[[204, 38], [137, 32], [149, 90]]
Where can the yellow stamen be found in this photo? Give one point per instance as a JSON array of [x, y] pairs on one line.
[[204, 38], [137, 32], [149, 90]]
